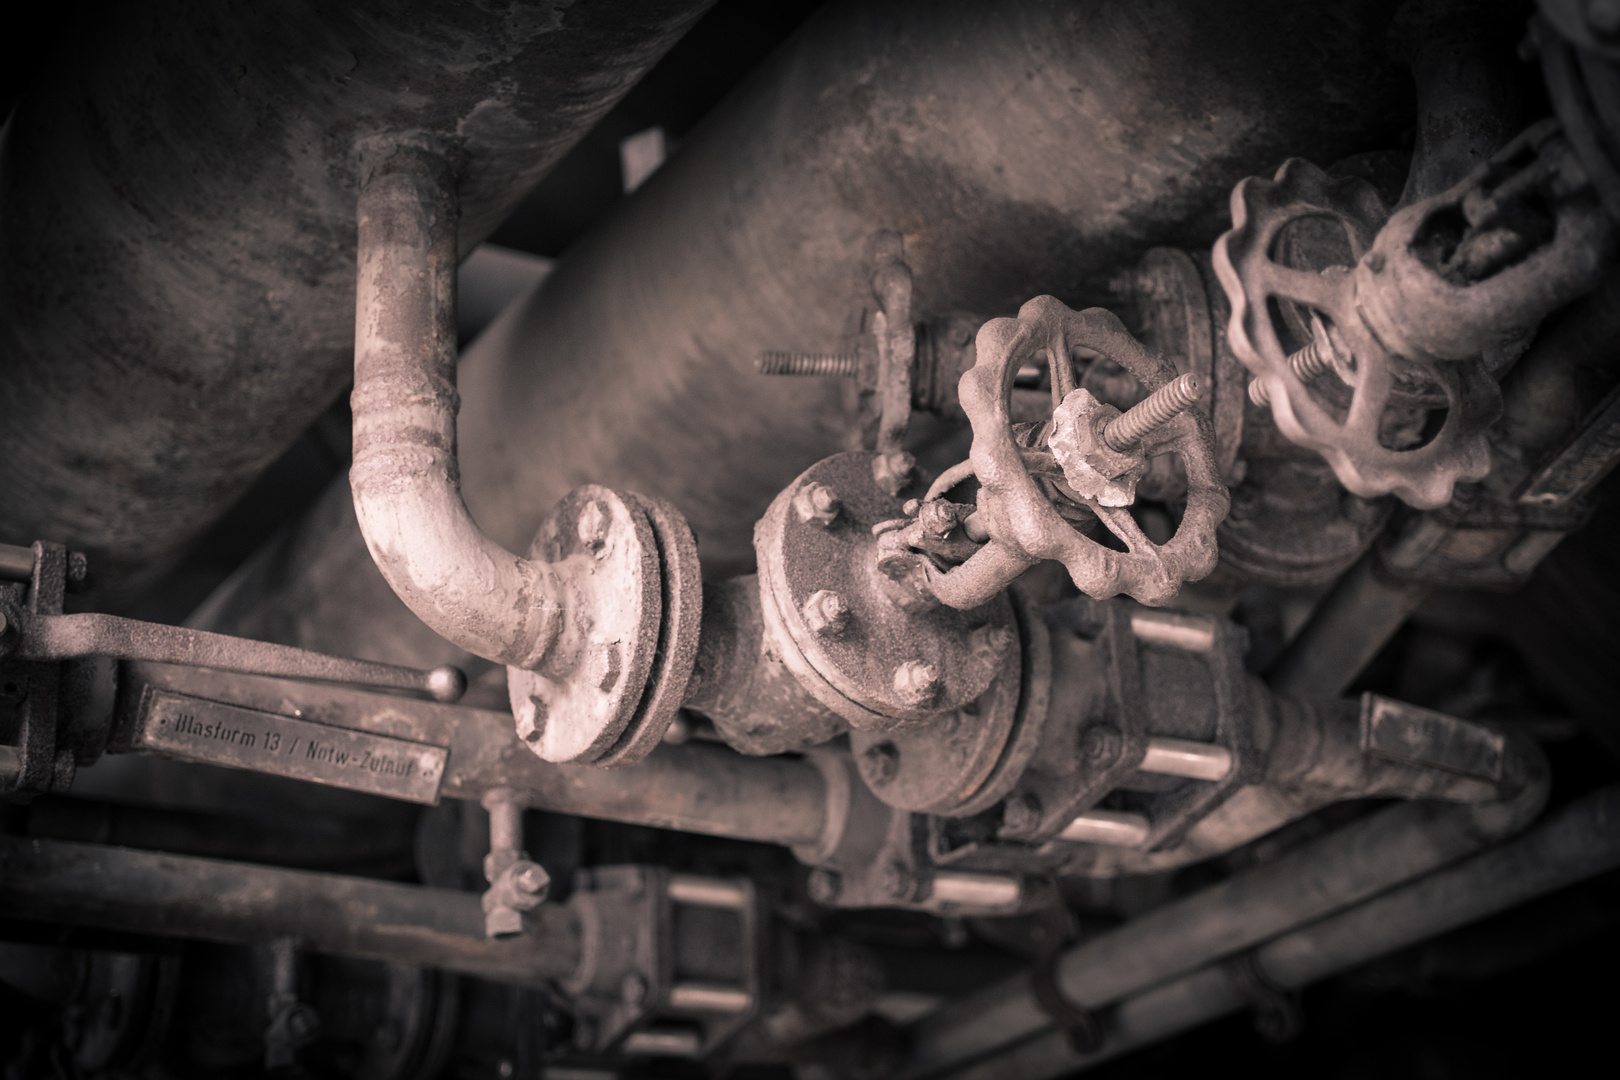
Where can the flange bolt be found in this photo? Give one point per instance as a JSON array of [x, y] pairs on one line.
[[916, 682], [825, 613], [817, 504]]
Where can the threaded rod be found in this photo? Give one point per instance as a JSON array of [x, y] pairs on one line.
[[1307, 364], [1159, 408], [843, 365]]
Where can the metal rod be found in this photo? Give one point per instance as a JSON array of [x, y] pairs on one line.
[[1107, 827], [842, 365], [1578, 842], [146, 892], [1157, 409], [1181, 757], [64, 637]]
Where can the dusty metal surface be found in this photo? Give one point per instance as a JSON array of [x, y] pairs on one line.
[[670, 283], [212, 900], [179, 186]]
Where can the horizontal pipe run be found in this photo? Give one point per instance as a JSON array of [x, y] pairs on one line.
[[693, 787], [1360, 860], [66, 637], [144, 892], [1578, 842]]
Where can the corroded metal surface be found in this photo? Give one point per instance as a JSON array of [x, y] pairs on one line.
[[1023, 525], [178, 230], [890, 660]]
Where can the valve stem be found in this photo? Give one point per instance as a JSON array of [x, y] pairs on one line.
[[1307, 364], [1157, 409], [843, 365]]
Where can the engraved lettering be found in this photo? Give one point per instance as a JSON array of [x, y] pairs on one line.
[[242, 738]]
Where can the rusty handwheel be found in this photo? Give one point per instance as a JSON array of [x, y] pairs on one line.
[[1099, 469], [1335, 300]]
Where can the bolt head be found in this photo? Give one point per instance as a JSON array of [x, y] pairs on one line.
[[825, 613], [593, 524], [633, 990], [882, 762], [893, 471], [990, 643], [1100, 744], [1022, 814], [896, 881], [602, 665], [532, 879], [824, 886], [303, 1022], [817, 504], [917, 682]]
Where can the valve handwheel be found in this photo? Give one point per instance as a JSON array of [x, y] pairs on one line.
[[1423, 476], [1101, 459]]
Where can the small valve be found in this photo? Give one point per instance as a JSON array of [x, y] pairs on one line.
[[1035, 484]]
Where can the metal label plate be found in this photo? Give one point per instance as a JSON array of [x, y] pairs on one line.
[[195, 729]]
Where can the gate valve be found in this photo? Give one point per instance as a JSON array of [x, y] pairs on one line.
[[1433, 293], [1036, 483]]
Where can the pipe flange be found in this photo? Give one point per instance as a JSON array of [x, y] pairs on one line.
[[1423, 476], [968, 761], [577, 700], [1023, 525], [681, 581], [858, 641]]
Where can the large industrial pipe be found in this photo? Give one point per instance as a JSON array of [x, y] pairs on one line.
[[177, 228], [1021, 148]]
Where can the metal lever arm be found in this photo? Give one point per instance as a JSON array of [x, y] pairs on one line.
[[64, 637]]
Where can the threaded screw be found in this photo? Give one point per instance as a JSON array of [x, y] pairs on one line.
[[1160, 407], [1307, 364], [843, 365]]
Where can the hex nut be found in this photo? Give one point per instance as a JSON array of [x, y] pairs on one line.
[[603, 665], [825, 613], [824, 887], [817, 504], [1100, 744], [896, 881], [990, 643], [593, 524], [917, 682], [893, 471], [1021, 815], [881, 761]]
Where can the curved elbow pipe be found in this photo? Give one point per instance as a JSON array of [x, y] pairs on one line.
[[407, 488]]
